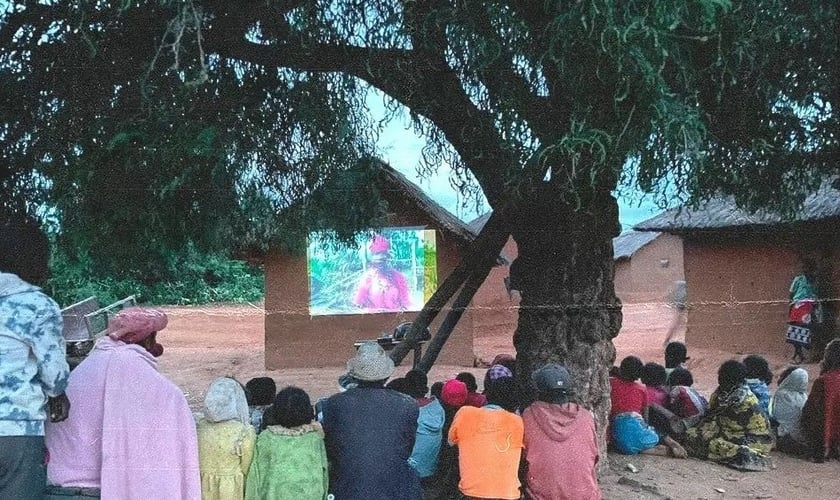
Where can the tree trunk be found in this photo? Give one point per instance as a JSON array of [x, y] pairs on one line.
[[569, 312]]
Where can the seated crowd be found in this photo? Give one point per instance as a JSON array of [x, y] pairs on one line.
[[130, 431], [740, 422]]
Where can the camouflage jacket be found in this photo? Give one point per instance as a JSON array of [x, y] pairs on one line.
[[32, 356]]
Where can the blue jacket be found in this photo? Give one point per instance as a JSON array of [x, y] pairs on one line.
[[369, 435], [424, 457], [762, 392]]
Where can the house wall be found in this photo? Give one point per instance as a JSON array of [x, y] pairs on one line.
[[649, 275], [493, 309], [294, 339], [738, 293]]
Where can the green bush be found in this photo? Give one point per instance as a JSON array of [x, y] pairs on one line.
[[190, 279]]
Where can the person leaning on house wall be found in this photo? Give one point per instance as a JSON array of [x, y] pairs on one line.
[[33, 366]]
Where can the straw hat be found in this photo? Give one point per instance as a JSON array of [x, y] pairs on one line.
[[370, 363]]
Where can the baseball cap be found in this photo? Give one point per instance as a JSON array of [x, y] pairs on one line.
[[552, 377]]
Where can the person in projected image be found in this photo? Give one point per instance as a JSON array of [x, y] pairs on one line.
[[382, 286]]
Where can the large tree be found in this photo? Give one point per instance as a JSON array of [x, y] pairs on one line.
[[550, 106]]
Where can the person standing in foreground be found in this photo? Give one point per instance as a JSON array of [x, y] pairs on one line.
[[559, 436], [33, 367], [490, 441], [370, 432], [130, 431]]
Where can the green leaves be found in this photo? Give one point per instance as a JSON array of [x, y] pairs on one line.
[[694, 97]]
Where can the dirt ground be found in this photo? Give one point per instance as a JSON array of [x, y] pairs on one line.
[[211, 341]]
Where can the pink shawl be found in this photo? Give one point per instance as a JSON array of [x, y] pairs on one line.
[[130, 431]]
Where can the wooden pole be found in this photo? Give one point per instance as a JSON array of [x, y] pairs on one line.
[[484, 249], [458, 307]]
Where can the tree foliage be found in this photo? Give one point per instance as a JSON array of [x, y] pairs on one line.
[[197, 108], [146, 125]]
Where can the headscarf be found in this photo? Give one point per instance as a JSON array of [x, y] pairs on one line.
[[454, 393], [786, 405], [225, 400], [134, 324], [497, 372]]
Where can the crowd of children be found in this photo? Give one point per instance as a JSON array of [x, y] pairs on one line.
[[739, 424]]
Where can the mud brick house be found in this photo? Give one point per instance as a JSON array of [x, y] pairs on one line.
[[647, 264], [738, 268], [296, 338]]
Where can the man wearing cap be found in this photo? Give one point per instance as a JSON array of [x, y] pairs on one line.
[[369, 433], [130, 431], [561, 450]]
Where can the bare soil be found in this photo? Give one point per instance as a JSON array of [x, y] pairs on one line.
[[211, 341]]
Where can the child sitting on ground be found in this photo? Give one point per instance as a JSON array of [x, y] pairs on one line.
[[490, 442], [676, 354], [260, 392], [684, 400], [629, 430], [559, 436], [653, 376], [225, 441], [444, 482], [759, 378], [473, 397], [786, 411], [290, 459]]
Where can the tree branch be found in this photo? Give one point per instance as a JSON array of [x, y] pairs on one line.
[[505, 83], [419, 81]]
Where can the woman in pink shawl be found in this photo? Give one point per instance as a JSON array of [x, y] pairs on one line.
[[130, 431]]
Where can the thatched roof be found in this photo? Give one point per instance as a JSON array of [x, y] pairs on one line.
[[629, 242], [410, 191], [722, 213]]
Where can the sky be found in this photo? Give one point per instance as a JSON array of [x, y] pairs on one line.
[[401, 148]]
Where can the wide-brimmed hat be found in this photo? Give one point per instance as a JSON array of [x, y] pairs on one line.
[[370, 363]]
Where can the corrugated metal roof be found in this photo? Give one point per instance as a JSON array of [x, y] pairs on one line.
[[630, 242], [719, 213]]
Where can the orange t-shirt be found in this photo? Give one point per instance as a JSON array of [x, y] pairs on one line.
[[489, 444]]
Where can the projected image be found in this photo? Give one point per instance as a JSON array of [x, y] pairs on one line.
[[391, 271]]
